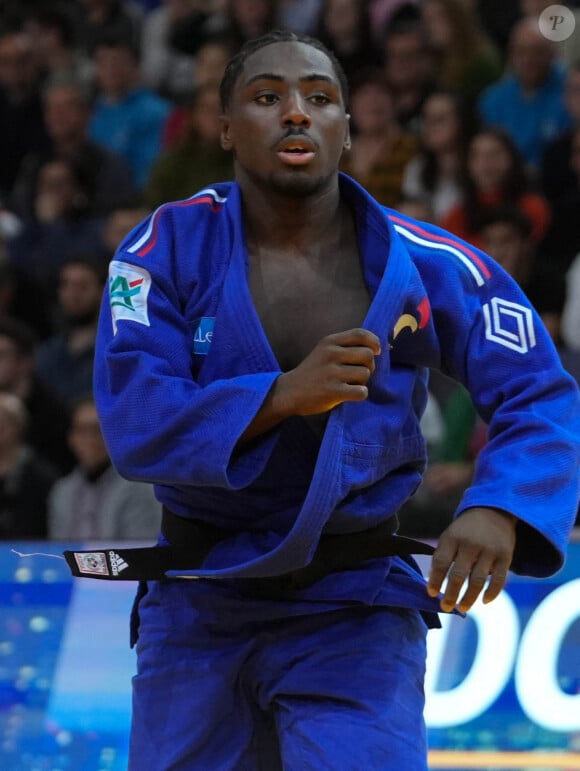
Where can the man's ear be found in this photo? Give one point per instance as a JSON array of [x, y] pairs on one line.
[[225, 135]]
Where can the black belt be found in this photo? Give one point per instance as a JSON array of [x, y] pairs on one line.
[[196, 539]]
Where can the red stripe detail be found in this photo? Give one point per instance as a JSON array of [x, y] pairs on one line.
[[151, 243], [442, 239], [424, 311], [136, 282]]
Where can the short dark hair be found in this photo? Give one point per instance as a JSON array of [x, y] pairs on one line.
[[506, 214], [236, 64]]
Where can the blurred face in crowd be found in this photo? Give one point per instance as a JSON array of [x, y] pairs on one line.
[[372, 108], [12, 421], [57, 191], [14, 366], [85, 437], [116, 71], [119, 223], [66, 113], [205, 116], [508, 246], [436, 23], [488, 162], [440, 123], [407, 60], [342, 18], [531, 54], [79, 292], [17, 65], [210, 63]]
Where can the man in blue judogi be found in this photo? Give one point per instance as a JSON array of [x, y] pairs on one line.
[[261, 358]]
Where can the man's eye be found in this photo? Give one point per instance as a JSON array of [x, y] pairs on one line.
[[320, 99], [269, 98]]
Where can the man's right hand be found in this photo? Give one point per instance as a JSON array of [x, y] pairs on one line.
[[337, 370]]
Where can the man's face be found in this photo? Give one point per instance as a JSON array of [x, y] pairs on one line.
[[65, 113], [508, 247], [286, 123], [12, 364], [79, 293], [531, 56]]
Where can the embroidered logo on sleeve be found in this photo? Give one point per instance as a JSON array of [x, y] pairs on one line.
[[203, 334], [129, 287], [509, 324]]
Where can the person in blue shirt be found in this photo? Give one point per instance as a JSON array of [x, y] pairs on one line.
[[262, 359], [528, 102], [127, 118]]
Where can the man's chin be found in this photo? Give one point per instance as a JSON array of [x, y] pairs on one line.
[[297, 183]]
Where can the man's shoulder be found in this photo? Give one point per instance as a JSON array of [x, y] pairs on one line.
[[199, 211]]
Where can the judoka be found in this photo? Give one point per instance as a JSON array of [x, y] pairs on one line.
[[262, 359]]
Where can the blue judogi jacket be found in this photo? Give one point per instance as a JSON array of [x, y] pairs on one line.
[[183, 366]]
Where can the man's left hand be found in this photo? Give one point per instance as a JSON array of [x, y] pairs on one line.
[[478, 544]]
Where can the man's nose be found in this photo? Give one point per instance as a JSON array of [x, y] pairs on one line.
[[295, 112]]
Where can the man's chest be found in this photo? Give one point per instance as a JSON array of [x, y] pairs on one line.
[[299, 302]]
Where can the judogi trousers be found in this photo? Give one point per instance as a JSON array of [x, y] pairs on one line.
[[244, 687]]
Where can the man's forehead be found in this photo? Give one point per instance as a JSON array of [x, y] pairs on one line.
[[286, 60]]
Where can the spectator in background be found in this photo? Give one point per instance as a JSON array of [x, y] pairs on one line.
[[21, 297], [118, 19], [67, 110], [433, 174], [48, 414], [528, 102], [246, 19], [557, 172], [118, 224], [61, 224], [197, 160], [21, 115], [167, 70], [25, 479], [408, 68], [53, 35], [93, 501], [299, 15], [210, 62], [344, 27], [64, 362], [127, 118], [562, 242], [494, 174], [465, 60], [380, 149]]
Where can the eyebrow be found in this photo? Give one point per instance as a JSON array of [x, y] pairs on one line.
[[314, 77]]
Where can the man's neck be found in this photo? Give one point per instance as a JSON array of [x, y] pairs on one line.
[[289, 223]]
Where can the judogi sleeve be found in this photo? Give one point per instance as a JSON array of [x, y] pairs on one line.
[[159, 424], [493, 342]]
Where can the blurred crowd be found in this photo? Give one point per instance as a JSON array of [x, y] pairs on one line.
[[463, 114]]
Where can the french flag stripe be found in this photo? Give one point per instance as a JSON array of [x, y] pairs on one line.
[[147, 240], [472, 262]]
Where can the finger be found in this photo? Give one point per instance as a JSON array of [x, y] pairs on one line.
[[353, 375], [498, 581], [456, 577], [355, 355], [357, 337], [440, 563], [476, 582]]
